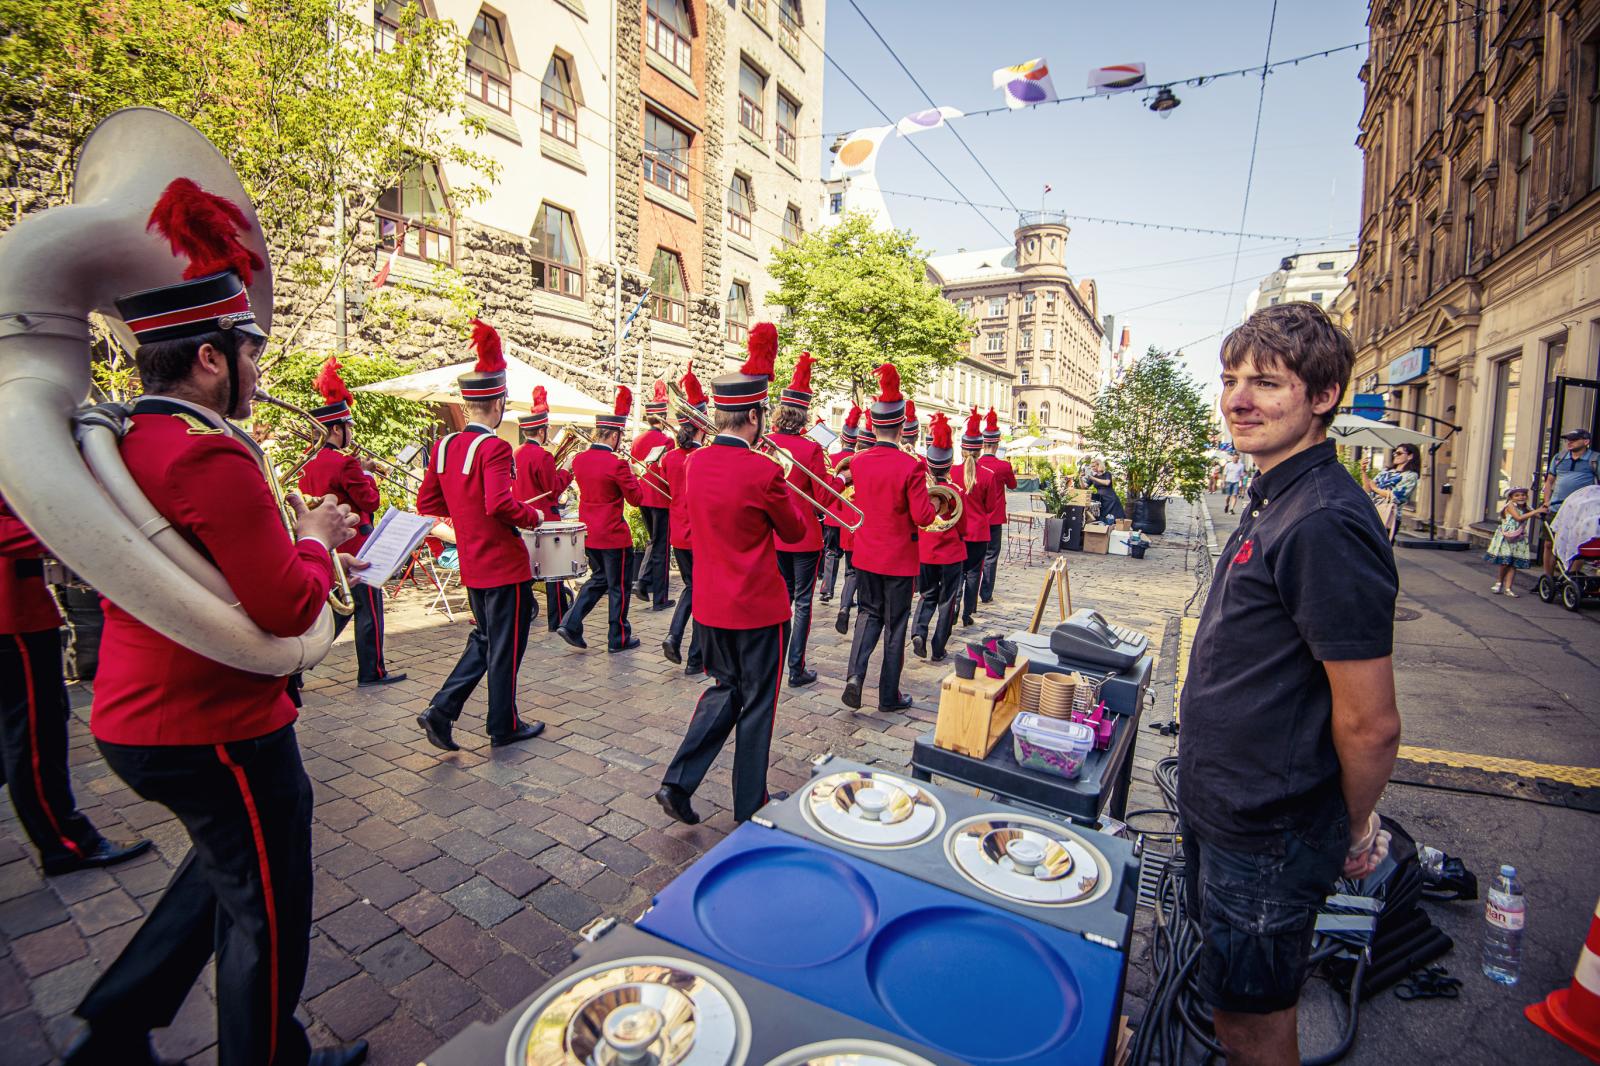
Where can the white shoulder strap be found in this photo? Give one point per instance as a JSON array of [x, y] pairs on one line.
[[472, 451], [438, 452]]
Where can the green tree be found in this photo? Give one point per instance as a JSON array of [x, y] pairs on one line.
[[1153, 428], [855, 296]]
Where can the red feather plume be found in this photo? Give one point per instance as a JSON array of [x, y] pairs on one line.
[[991, 422], [692, 388], [888, 383], [801, 382], [541, 400], [624, 404], [763, 349], [204, 228], [940, 431], [486, 342], [330, 385], [659, 395], [853, 419], [911, 413], [973, 422]]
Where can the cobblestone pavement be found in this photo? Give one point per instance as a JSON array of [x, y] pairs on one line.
[[448, 886]]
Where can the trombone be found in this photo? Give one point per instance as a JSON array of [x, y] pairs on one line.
[[842, 507], [339, 597], [575, 440], [395, 475]]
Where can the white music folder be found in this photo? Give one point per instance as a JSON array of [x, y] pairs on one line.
[[390, 544]]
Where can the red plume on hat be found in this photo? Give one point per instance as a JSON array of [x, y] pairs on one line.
[[763, 349], [624, 403], [801, 382], [911, 413], [204, 228], [659, 394], [973, 422], [541, 400], [853, 419], [692, 389], [888, 383], [330, 385], [940, 431], [486, 342], [991, 422]]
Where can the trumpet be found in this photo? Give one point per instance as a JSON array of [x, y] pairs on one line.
[[339, 597], [947, 507]]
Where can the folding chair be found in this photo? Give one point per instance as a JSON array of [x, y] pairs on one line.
[[441, 574]]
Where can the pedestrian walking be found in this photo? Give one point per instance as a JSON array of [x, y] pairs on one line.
[[1509, 547], [1577, 468], [1232, 482]]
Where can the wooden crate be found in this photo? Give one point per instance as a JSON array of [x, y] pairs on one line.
[[974, 715]]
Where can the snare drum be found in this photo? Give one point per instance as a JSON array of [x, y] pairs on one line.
[[557, 550]]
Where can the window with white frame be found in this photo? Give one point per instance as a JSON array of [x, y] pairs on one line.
[[996, 342], [1025, 339], [488, 68], [1049, 340], [997, 306], [1027, 303], [557, 103]]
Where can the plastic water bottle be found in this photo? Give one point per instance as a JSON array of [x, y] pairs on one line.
[[1505, 914]]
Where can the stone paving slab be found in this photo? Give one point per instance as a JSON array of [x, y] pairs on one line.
[[450, 885]]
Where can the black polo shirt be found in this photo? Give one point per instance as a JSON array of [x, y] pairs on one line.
[[1308, 577]]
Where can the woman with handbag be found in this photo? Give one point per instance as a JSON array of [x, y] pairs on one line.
[[1393, 487], [1508, 548]]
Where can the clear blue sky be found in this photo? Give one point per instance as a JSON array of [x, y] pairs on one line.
[[1113, 158]]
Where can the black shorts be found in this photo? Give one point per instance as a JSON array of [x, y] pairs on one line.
[[1257, 912]]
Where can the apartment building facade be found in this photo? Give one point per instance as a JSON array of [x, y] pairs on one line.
[[1476, 284], [1316, 277]]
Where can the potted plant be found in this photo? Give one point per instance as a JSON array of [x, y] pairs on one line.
[[641, 541], [1152, 428]]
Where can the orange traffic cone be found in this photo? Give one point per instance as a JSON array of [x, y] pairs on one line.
[[1572, 1014]]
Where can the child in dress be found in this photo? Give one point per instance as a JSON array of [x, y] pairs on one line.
[[1509, 548]]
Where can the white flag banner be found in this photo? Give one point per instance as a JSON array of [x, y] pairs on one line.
[[930, 119], [1026, 84], [859, 152], [1118, 78]]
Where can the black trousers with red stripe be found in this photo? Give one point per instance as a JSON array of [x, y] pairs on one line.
[[683, 616], [885, 609], [243, 894], [653, 568], [831, 555], [799, 570], [608, 577], [494, 647], [940, 584], [33, 745], [557, 598], [369, 630], [972, 575], [746, 665]]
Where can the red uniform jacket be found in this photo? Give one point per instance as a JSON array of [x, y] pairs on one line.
[[468, 480], [538, 481], [1006, 475], [837, 481], [604, 481], [893, 493], [981, 497], [807, 453], [737, 502], [936, 549], [150, 690], [333, 472], [647, 442], [674, 466], [26, 605]]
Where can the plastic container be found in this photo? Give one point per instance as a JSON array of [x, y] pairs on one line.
[[1505, 914], [1048, 744]]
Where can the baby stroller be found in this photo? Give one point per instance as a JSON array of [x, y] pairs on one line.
[[1575, 536]]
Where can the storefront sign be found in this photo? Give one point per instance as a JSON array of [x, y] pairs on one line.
[[1368, 405], [1413, 364]]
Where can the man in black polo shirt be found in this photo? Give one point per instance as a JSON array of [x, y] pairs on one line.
[[1284, 751]]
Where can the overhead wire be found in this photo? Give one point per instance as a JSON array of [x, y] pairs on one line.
[[1250, 173], [1200, 230]]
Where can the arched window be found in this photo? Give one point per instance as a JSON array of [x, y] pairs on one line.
[[1022, 412], [558, 103], [741, 205], [669, 31], [668, 295], [738, 312], [488, 68], [1044, 415], [557, 257], [1044, 371], [417, 214]]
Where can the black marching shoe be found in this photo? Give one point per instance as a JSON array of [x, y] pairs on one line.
[[436, 727], [940, 658], [671, 653], [386, 679], [570, 637], [522, 732], [842, 623], [852, 693], [662, 606], [802, 678], [628, 645], [900, 704], [675, 801], [919, 646], [344, 1055], [104, 853], [967, 621], [94, 1048]]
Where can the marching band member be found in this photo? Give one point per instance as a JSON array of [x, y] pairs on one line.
[[863, 441], [350, 481], [674, 467], [541, 484], [469, 478], [1007, 478], [832, 532], [605, 482], [911, 431], [892, 493], [213, 744], [654, 506], [738, 502], [34, 713], [797, 559], [983, 494], [942, 556]]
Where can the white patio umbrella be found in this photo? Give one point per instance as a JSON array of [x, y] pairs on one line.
[[1356, 431], [567, 404]]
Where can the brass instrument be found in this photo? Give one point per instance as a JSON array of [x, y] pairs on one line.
[[339, 597], [947, 507], [573, 440], [382, 468], [644, 473]]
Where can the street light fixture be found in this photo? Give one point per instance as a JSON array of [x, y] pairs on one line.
[[1164, 103]]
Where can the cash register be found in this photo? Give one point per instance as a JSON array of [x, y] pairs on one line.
[[1087, 643]]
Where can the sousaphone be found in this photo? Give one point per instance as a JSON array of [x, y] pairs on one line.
[[56, 267]]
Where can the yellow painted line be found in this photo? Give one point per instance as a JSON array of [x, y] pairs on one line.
[[1584, 776], [1186, 632]]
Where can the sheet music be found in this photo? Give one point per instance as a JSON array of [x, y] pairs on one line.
[[822, 435], [390, 544], [654, 455]]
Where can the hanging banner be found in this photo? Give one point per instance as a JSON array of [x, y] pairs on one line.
[[859, 152], [1118, 78], [930, 119], [1026, 84]]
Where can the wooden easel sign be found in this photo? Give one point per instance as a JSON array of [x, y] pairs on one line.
[[1056, 575]]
